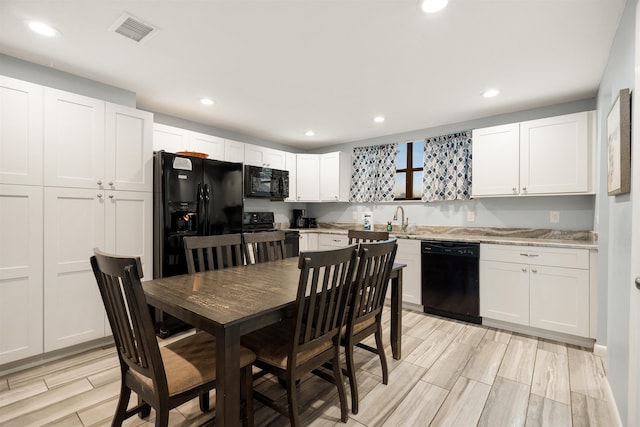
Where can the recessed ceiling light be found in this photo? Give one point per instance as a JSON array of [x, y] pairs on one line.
[[43, 29], [309, 133], [432, 6], [490, 93], [378, 119], [206, 101]]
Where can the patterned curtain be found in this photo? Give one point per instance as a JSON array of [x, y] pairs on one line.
[[373, 175], [447, 167]]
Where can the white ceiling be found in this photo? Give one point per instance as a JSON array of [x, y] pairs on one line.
[[279, 68]]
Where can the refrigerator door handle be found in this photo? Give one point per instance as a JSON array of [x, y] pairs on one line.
[[207, 198], [199, 208]]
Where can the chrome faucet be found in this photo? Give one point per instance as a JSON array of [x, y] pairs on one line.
[[404, 223]]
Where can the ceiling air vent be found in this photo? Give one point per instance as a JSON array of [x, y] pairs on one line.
[[133, 28]]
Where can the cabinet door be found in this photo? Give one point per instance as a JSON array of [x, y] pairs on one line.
[[74, 225], [560, 299], [291, 166], [20, 132], [129, 226], [504, 291], [554, 155], [74, 136], [409, 253], [275, 159], [169, 138], [308, 183], [128, 149], [330, 172], [233, 151], [202, 143], [254, 155], [20, 272], [496, 161], [332, 241]]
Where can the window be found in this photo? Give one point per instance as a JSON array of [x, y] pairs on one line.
[[409, 163]]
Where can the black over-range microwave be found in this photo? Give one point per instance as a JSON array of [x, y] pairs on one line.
[[266, 183]]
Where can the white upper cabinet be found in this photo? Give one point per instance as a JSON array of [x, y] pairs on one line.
[[291, 166], [128, 149], [20, 132], [169, 138], [308, 178], [74, 138], [21, 298], [93, 144], [555, 155], [203, 143], [335, 177], [537, 157], [496, 161], [263, 156], [233, 151]]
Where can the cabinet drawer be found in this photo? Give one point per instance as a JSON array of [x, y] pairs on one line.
[[553, 257], [332, 241]]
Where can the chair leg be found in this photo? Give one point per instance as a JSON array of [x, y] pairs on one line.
[[123, 402], [146, 408], [351, 374], [383, 357], [292, 397], [162, 417], [337, 374], [204, 402]]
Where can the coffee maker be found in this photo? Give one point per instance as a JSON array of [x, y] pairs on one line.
[[298, 220]]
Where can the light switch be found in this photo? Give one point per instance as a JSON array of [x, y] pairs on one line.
[[354, 215], [471, 216], [554, 217]]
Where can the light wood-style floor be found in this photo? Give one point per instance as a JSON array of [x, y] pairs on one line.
[[451, 374]]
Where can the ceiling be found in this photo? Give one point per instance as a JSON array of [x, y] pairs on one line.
[[276, 69]]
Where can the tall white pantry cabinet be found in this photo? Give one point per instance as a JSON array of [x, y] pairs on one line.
[[86, 178]]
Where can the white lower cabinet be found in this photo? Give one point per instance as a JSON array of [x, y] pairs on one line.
[[409, 253], [541, 287], [76, 221], [332, 241], [308, 242], [20, 272]]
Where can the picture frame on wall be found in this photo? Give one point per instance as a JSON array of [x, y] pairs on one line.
[[619, 145]]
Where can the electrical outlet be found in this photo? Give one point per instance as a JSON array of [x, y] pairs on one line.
[[354, 215], [554, 217], [471, 216]]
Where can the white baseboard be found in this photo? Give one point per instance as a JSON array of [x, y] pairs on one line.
[[601, 352]]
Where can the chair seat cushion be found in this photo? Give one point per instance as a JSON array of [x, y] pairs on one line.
[[271, 345], [191, 361]]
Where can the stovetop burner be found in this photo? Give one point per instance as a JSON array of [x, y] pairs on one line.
[[258, 221]]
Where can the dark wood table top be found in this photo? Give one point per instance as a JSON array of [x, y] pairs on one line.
[[227, 296]]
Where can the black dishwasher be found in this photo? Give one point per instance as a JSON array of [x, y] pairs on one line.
[[450, 285]]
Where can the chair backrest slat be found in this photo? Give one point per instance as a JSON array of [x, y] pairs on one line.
[[264, 246], [119, 283], [363, 236], [213, 252], [326, 280], [375, 262]]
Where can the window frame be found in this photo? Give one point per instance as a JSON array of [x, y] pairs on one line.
[[409, 170]]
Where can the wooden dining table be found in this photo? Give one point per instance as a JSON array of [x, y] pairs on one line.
[[231, 302]]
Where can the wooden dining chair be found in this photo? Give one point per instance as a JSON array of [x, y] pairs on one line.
[[213, 252], [358, 236], [303, 344], [375, 262], [163, 378], [264, 246]]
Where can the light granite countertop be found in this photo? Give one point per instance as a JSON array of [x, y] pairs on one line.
[[503, 236]]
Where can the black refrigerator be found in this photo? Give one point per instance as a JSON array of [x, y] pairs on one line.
[[192, 197]]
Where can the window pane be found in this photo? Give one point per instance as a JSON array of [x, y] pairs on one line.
[[401, 185], [418, 154], [401, 159], [417, 184]]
